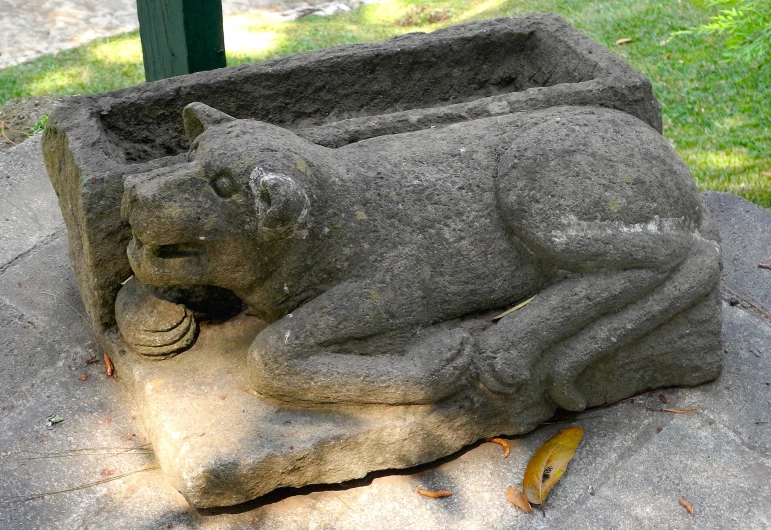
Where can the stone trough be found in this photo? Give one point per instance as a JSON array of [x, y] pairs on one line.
[[529, 162]]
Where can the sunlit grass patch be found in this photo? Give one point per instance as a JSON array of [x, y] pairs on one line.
[[241, 40], [126, 50], [105, 64], [732, 170], [716, 114]]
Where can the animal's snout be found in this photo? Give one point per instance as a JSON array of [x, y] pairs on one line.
[[158, 204]]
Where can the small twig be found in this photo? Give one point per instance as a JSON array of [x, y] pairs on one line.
[[82, 486], [69, 304], [145, 452], [25, 212], [92, 451], [503, 443], [438, 494], [573, 416], [515, 308], [672, 411], [762, 422], [3, 127], [766, 265], [749, 301], [345, 503]]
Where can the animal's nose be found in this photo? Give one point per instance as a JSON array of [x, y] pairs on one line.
[[144, 190]]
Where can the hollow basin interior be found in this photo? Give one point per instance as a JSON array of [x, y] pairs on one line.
[[298, 92]]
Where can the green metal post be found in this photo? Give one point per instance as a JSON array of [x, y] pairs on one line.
[[180, 36]]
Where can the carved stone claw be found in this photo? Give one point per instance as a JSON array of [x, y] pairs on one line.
[[151, 326], [566, 395]]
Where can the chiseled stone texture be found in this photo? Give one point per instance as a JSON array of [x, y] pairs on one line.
[[366, 237], [331, 97], [242, 445], [625, 474]]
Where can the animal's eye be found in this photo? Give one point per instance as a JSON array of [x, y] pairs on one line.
[[224, 186]]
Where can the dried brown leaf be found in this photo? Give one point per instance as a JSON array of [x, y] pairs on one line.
[[434, 494], [503, 443], [518, 499], [687, 505], [109, 368]]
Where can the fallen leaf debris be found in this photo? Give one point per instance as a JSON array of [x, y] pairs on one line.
[[687, 505], [515, 308], [109, 368], [503, 443], [549, 463], [434, 494], [518, 499], [52, 420], [673, 411]]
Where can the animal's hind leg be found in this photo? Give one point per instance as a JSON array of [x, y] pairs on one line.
[[690, 283], [510, 351]]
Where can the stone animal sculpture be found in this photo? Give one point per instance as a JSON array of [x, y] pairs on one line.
[[377, 265]]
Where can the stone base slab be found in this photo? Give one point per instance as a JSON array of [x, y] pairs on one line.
[[220, 443]]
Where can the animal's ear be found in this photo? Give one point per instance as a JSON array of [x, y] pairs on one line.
[[282, 204], [198, 117]]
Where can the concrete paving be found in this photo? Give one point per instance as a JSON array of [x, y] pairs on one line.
[[628, 473]]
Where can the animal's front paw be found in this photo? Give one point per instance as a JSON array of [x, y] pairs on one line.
[[504, 365], [443, 358], [151, 326], [566, 394]]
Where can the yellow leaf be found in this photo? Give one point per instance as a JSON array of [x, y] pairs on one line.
[[549, 463], [625, 40], [518, 499]]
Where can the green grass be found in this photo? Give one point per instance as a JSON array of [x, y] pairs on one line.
[[717, 115]]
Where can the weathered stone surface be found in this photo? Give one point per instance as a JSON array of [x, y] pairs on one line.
[[29, 212], [741, 225], [370, 255], [332, 97], [635, 478], [649, 483]]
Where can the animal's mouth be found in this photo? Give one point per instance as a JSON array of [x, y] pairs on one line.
[[177, 250], [188, 249]]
